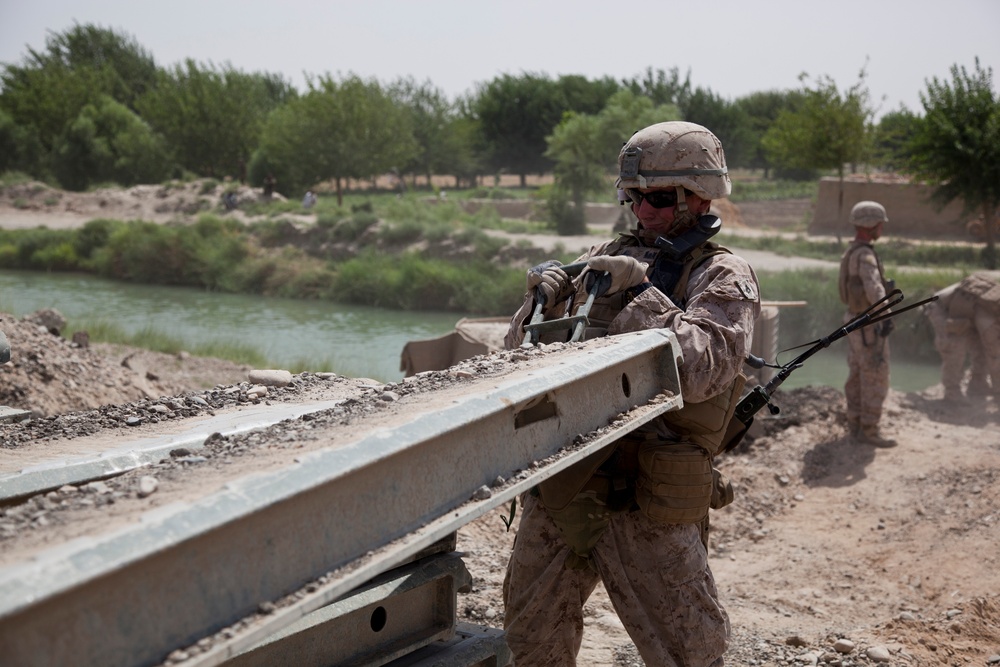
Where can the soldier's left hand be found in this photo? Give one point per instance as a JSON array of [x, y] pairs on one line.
[[625, 271]]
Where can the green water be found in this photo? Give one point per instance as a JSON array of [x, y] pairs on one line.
[[829, 367], [356, 341]]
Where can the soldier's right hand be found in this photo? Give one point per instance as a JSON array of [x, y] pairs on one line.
[[550, 282]]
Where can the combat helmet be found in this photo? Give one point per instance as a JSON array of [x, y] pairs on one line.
[[867, 214], [678, 154]]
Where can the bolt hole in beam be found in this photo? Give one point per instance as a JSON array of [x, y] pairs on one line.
[[379, 619], [626, 386]]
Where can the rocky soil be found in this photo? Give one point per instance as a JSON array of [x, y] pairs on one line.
[[833, 553]]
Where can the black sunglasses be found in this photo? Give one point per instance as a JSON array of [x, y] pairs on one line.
[[657, 199]]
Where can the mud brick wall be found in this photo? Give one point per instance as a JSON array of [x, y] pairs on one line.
[[911, 214]]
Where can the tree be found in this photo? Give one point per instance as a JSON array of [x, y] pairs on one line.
[[957, 145], [584, 148], [432, 119], [338, 130], [129, 68], [212, 117], [828, 130], [660, 87], [893, 134], [108, 142], [516, 114], [762, 110], [47, 91]]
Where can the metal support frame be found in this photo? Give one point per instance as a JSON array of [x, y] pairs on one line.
[[392, 616], [346, 513]]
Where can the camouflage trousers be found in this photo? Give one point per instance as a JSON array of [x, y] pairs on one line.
[[867, 376], [657, 577], [957, 341], [988, 326]]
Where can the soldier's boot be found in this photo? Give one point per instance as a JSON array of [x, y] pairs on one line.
[[870, 435]]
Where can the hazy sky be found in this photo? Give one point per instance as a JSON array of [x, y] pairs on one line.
[[733, 47]]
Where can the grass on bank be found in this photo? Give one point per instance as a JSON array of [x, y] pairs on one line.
[[102, 331]]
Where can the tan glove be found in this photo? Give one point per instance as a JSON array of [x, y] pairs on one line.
[[625, 271], [551, 283]]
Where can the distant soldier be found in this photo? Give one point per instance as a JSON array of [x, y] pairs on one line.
[[863, 283], [270, 183], [965, 320]]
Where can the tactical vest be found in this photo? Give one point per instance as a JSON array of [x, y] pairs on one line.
[[852, 290], [703, 423]]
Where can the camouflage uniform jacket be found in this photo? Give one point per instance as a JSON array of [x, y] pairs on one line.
[[714, 330], [862, 277]]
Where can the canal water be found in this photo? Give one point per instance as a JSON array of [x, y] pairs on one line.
[[356, 341]]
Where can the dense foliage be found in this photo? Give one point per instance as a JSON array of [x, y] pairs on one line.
[[957, 145]]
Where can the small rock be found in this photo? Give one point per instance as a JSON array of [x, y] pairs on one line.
[[843, 646], [182, 451], [878, 654], [147, 485], [795, 640], [133, 421], [389, 396], [270, 378], [257, 391], [482, 493], [810, 658], [266, 608]]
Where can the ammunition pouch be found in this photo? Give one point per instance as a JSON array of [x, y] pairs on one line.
[[675, 482]]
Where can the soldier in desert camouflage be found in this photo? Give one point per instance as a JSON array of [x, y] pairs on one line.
[[863, 283], [635, 515], [966, 328]]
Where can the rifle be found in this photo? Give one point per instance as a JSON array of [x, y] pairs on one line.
[[760, 396]]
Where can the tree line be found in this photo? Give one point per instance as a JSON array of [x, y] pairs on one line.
[[93, 107]]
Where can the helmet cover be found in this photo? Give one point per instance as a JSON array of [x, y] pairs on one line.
[[675, 154]]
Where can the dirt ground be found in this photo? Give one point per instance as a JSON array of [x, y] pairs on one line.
[[833, 553]]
